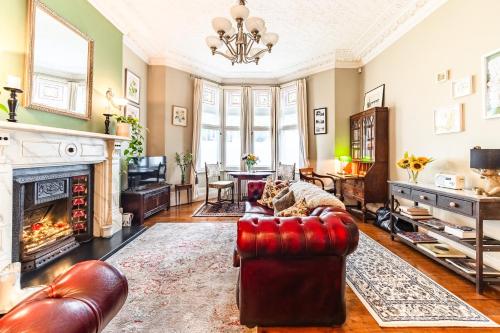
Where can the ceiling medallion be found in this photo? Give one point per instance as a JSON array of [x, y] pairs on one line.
[[241, 47]]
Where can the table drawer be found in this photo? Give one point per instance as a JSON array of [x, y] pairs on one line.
[[455, 205], [401, 191], [424, 197]]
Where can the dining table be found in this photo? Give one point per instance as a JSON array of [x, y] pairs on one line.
[[239, 176]]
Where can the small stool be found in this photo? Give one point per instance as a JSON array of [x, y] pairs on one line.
[[181, 187]]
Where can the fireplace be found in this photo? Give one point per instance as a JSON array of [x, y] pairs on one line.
[[52, 213]]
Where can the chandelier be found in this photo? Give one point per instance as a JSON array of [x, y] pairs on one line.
[[241, 47]]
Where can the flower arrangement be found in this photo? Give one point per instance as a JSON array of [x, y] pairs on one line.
[[413, 165], [184, 161], [250, 160]]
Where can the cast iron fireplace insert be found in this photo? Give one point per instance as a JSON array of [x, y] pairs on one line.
[[52, 213]]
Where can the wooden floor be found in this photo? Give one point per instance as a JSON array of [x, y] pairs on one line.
[[359, 319]]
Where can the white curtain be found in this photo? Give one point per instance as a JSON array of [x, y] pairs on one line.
[[246, 122], [197, 100], [302, 122], [275, 107]]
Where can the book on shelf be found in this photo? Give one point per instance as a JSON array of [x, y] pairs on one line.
[[487, 242], [441, 250], [417, 217], [468, 266], [417, 237], [414, 210], [435, 223], [460, 231]]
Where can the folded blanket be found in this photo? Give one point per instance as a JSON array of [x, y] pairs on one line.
[[314, 195]]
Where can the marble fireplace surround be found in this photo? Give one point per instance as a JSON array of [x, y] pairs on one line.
[[31, 146]]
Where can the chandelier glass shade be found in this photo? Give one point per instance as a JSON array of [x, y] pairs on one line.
[[236, 44]]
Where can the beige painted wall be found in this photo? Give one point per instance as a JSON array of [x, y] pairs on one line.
[[455, 37], [347, 85], [169, 87], [134, 63]]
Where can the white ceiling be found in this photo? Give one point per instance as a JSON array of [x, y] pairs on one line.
[[314, 34]]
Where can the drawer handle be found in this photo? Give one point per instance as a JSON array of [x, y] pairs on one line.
[[453, 204], [401, 191], [423, 197]]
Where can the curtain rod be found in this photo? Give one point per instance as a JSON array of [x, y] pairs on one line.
[[245, 84]]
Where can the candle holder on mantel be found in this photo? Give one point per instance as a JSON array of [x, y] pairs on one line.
[[13, 102], [107, 122]]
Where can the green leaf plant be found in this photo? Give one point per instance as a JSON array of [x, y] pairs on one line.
[[136, 145]]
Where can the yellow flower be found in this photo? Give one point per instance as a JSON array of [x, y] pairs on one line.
[[416, 166], [404, 163], [423, 160]]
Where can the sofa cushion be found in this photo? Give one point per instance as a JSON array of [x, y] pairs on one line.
[[285, 199], [270, 191], [314, 196], [254, 208], [299, 209]]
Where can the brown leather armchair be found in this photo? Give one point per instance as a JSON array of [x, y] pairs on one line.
[[84, 299], [308, 175]]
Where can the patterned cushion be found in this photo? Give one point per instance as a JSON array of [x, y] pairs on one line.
[[221, 184], [285, 199], [270, 191], [299, 209]]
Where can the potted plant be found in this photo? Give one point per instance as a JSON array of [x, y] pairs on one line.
[[250, 161], [184, 161], [131, 126], [413, 165]]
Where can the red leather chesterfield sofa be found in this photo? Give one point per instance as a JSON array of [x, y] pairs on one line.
[[84, 299], [292, 270]]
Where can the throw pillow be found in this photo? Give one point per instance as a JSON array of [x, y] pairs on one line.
[[284, 201], [299, 209], [270, 191]]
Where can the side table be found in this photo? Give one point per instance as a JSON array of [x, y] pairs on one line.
[[181, 187]]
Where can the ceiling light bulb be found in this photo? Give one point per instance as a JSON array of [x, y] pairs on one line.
[[221, 24], [213, 42], [239, 12], [270, 38]]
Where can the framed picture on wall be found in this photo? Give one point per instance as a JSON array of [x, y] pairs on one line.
[[179, 116], [132, 110], [491, 85], [461, 87], [374, 98], [132, 87], [320, 121], [448, 119]]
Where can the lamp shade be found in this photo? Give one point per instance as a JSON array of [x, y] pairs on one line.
[[270, 38], [230, 33], [221, 24], [213, 42], [485, 158], [239, 12]]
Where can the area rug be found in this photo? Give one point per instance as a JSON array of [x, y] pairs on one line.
[[181, 280], [398, 295], [225, 209]]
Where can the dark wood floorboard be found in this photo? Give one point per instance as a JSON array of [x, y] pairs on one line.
[[359, 319]]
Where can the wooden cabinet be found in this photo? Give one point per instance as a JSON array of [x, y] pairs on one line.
[[146, 200], [370, 158]]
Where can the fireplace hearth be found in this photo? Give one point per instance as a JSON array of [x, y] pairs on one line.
[[52, 213]]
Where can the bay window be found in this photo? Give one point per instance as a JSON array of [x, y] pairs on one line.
[[262, 125], [232, 128], [210, 142], [288, 132]]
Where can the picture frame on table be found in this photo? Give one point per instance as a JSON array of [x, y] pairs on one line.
[[179, 116], [374, 98], [320, 124], [132, 87], [448, 119], [132, 110], [491, 85]]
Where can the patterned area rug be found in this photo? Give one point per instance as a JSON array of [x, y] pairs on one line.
[[398, 295], [226, 209], [181, 280]]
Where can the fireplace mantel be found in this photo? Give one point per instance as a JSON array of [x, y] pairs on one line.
[[32, 146]]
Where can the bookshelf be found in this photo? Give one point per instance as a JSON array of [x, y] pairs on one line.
[[465, 203]]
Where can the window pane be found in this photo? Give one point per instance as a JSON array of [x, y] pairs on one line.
[[233, 149], [289, 147], [262, 148], [210, 106], [288, 104], [209, 147], [233, 107], [262, 108]]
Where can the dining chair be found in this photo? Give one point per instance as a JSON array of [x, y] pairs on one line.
[[213, 180]]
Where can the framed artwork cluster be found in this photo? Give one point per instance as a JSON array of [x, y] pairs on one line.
[[320, 121], [132, 94]]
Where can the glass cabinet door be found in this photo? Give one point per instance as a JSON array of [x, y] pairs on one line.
[[356, 137], [368, 142]]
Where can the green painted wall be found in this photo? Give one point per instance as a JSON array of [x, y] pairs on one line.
[[107, 57]]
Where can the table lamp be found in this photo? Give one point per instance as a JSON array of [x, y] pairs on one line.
[[344, 161], [487, 163]]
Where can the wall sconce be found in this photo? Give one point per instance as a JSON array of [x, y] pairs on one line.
[[113, 102]]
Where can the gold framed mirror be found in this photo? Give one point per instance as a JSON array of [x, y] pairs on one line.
[[59, 64]]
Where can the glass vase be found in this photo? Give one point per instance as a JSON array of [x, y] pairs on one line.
[[249, 167], [413, 177]]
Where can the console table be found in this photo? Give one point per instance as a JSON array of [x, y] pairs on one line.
[[144, 201], [464, 202]]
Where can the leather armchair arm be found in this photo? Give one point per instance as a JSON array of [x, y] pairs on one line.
[[255, 189], [332, 233], [84, 299]]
